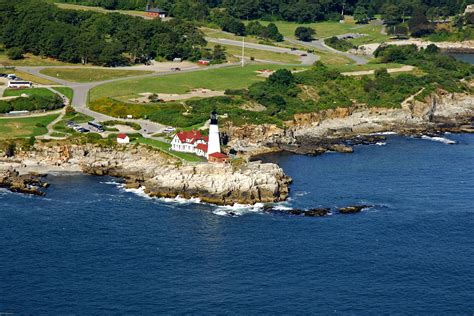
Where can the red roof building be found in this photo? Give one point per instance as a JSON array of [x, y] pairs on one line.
[[218, 158]]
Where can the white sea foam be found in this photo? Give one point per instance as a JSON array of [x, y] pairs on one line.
[[380, 143], [383, 133], [301, 193], [439, 139]]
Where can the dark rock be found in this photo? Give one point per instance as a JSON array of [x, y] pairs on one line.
[[318, 212], [28, 184], [352, 209]]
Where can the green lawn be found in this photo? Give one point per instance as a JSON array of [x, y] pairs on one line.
[[68, 92], [98, 9], [32, 92], [30, 60], [261, 54], [332, 28], [90, 74], [215, 79], [165, 147], [369, 66], [25, 127]]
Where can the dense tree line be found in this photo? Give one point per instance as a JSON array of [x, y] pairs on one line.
[[90, 37], [32, 103], [291, 10]]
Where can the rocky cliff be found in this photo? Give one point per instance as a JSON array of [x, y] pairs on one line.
[[159, 174], [330, 129]]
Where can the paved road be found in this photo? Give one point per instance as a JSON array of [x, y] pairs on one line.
[[319, 44], [309, 59], [81, 93]]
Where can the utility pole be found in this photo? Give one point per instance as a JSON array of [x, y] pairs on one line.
[[243, 51]]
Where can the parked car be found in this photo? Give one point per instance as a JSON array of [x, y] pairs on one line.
[[175, 69], [169, 129], [304, 55]]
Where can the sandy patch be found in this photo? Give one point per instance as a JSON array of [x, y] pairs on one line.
[[371, 72], [147, 97]]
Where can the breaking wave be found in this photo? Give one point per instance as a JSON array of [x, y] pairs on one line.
[[439, 139]]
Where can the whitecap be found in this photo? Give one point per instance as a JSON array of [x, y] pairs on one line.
[[301, 193], [439, 139], [380, 143], [383, 133]]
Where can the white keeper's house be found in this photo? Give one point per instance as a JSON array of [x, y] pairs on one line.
[[190, 142], [196, 143]]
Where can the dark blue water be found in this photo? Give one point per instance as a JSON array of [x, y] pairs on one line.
[[92, 248], [468, 58]]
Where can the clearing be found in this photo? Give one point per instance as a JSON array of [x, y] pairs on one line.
[[213, 79], [260, 54], [99, 9], [91, 74], [333, 28], [25, 127], [30, 60]]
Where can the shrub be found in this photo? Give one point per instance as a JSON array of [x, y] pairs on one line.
[[15, 53]]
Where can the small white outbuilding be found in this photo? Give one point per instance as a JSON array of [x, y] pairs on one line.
[[123, 139]]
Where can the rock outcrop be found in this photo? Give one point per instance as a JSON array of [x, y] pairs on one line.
[[161, 175], [25, 183], [336, 129]]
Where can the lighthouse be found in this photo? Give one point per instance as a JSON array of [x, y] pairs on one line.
[[214, 145]]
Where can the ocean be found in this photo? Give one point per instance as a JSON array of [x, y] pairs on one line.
[[92, 247]]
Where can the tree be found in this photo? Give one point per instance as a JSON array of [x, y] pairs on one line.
[[304, 33], [361, 15], [391, 14], [271, 32], [15, 53], [282, 77], [218, 54], [419, 24], [432, 49]]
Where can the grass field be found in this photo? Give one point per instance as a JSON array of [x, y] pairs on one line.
[[90, 74], [30, 60], [260, 54], [214, 79], [165, 147], [332, 28], [369, 66], [98, 9], [32, 92], [25, 127], [33, 78], [68, 92]]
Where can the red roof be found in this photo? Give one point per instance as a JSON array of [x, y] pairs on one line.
[[206, 139], [218, 155], [202, 147], [189, 137], [122, 136]]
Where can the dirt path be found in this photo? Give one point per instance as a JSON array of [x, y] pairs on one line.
[[371, 72]]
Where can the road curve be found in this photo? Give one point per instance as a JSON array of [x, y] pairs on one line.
[[319, 44], [307, 60]]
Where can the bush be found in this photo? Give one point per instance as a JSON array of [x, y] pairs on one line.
[[339, 44], [15, 53], [304, 33]]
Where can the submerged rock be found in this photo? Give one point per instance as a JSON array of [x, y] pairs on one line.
[[315, 212], [352, 209]]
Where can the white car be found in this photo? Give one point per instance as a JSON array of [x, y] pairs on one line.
[[169, 129]]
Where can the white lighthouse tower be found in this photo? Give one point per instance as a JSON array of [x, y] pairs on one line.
[[214, 145]]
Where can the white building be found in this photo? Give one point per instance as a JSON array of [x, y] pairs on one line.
[[17, 84], [188, 141], [123, 139]]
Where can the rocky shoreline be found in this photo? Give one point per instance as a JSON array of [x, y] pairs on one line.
[[158, 174], [341, 129]]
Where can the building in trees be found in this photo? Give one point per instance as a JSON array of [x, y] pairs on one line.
[[154, 12]]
